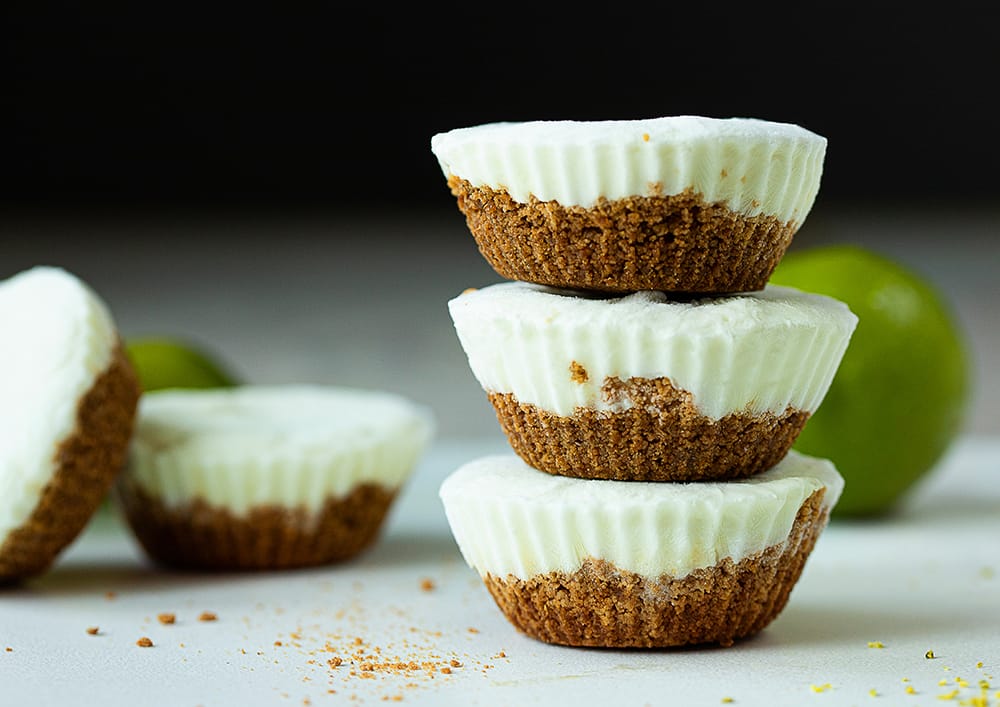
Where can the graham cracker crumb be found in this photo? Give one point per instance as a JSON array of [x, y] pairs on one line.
[[427, 585], [577, 373], [144, 642], [207, 616], [166, 618], [93, 630]]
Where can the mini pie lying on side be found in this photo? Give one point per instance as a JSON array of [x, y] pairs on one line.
[[677, 203], [626, 564], [70, 396], [641, 387], [267, 477]]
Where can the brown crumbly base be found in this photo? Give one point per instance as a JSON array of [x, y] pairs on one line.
[[200, 536], [600, 605], [87, 463], [662, 437], [676, 243]]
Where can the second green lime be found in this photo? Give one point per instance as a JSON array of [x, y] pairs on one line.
[[166, 362], [899, 398]]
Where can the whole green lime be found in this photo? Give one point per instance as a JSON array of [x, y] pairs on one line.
[[899, 398], [168, 362]]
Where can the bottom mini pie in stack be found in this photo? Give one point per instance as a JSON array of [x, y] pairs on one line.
[[628, 564]]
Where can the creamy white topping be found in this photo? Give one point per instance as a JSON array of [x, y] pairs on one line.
[[292, 445], [58, 338], [510, 519], [752, 166], [755, 352]]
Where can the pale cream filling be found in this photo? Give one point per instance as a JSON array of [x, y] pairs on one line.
[[555, 349], [59, 337], [752, 166], [293, 446], [510, 519]]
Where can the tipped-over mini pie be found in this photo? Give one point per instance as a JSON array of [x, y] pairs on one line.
[[642, 387], [678, 203], [69, 396], [615, 564], [267, 477]]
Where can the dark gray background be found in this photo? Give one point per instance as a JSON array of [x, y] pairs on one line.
[[157, 105], [261, 182]]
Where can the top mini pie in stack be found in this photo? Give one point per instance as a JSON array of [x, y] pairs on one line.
[[677, 204], [639, 361]]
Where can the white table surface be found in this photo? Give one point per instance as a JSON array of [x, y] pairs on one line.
[[926, 578]]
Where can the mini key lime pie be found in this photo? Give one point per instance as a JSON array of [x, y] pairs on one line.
[[69, 400], [614, 564], [267, 477], [641, 387], [675, 203]]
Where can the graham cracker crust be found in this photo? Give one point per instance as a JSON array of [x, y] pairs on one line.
[[600, 605], [661, 437], [86, 465], [677, 243], [200, 536]]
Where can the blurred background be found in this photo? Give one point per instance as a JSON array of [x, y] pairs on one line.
[[260, 181]]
